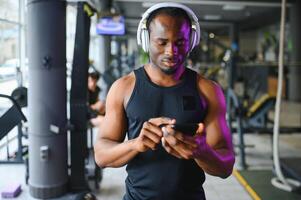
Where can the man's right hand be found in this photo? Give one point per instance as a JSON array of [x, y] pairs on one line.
[[151, 134]]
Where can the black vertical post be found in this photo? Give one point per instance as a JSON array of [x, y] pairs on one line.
[[294, 81], [234, 37], [78, 99], [233, 103]]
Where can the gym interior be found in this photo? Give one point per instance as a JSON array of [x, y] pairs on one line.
[[48, 48]]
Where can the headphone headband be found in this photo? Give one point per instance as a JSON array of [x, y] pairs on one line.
[[142, 29]]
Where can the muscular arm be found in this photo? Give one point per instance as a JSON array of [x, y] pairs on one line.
[[110, 150], [218, 157]]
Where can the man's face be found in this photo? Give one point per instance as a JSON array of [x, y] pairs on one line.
[[169, 42]]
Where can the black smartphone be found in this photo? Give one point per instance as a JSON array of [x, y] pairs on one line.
[[187, 128]]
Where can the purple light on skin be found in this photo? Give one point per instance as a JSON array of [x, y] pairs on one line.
[[222, 116], [179, 73], [202, 146], [186, 30], [225, 129], [184, 36], [204, 103], [220, 96], [199, 140]]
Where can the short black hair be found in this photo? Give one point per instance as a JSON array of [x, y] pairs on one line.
[[94, 75], [170, 11]]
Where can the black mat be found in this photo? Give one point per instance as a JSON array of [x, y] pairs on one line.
[[260, 182], [292, 167]]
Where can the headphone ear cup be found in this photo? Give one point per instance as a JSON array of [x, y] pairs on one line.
[[144, 40], [192, 40]]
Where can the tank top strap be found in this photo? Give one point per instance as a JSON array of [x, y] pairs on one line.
[[138, 76], [191, 78], [139, 73]]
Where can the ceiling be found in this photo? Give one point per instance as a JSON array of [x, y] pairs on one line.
[[213, 15]]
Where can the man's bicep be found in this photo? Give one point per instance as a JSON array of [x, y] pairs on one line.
[[218, 134], [114, 124]]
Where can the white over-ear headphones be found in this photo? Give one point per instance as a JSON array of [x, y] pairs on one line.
[[143, 35]]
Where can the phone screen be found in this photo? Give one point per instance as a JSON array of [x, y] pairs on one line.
[[187, 128]]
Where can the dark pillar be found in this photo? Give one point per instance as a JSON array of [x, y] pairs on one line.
[[78, 99], [232, 101], [294, 80], [48, 175], [234, 37]]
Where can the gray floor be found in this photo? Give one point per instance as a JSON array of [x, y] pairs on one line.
[[112, 186], [258, 157]]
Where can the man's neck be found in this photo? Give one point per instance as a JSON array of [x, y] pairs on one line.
[[158, 77]]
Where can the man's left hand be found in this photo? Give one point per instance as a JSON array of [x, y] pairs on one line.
[[184, 146]]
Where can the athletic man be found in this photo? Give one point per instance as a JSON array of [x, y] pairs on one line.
[[162, 163]]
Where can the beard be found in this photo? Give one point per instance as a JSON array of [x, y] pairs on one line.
[[169, 71], [165, 68]]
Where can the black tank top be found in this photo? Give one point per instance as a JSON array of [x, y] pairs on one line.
[[157, 175]]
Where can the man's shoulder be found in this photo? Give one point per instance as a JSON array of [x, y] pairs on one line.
[[203, 81], [126, 79], [123, 84], [207, 86], [131, 77], [122, 88]]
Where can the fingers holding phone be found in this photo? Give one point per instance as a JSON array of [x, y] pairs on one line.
[[180, 139], [150, 134]]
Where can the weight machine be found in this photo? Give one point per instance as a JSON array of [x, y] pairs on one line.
[[12, 117]]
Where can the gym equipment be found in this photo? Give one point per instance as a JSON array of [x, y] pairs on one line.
[[20, 95], [280, 181], [94, 173], [11, 118], [11, 191], [255, 118], [78, 101], [232, 100], [252, 120], [291, 167], [257, 113], [143, 35], [83, 166]]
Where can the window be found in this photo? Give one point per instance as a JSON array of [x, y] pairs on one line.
[[9, 45]]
